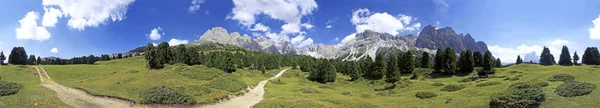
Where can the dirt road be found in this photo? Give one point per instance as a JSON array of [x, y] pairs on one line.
[[80, 99]]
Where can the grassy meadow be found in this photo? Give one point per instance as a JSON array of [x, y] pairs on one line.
[[128, 78], [294, 90], [32, 94]]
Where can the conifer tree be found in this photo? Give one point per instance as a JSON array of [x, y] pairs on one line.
[[329, 72], [425, 60], [488, 62], [591, 56], [38, 61], [119, 56], [406, 63], [546, 58], [498, 63], [438, 60], [393, 73], [575, 58], [478, 59], [565, 57], [519, 60], [163, 53], [18, 56], [2, 58], [150, 54], [355, 73], [449, 61], [465, 62]]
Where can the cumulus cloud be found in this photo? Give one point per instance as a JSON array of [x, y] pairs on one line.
[[509, 55], [297, 39], [195, 6], [260, 27], [156, 33], [54, 50], [559, 42], [174, 42], [306, 42], [595, 30], [364, 19], [51, 16], [346, 40], [328, 26], [90, 13], [288, 11], [29, 28]]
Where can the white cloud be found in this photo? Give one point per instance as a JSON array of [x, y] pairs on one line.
[[364, 19], [156, 33], [595, 31], [509, 55], [328, 26], [307, 25], [346, 40], [90, 13], [174, 42], [29, 28], [51, 16], [304, 43], [195, 6], [154, 44], [260, 27], [290, 28], [440, 3], [54, 50], [336, 39], [559, 42], [297, 39]]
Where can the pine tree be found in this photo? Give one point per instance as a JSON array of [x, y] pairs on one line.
[[2, 58], [438, 60], [565, 57], [31, 60], [478, 59], [425, 60], [163, 53], [355, 73], [179, 54], [591, 56], [488, 62], [91, 59], [406, 63], [119, 56], [192, 56], [575, 58], [546, 58], [449, 61], [367, 66], [379, 68], [329, 72], [18, 56], [466, 63], [150, 54], [38, 61], [519, 60], [498, 63], [393, 73], [229, 66]]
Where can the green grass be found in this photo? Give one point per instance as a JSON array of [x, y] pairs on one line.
[[31, 93], [343, 93], [128, 78]]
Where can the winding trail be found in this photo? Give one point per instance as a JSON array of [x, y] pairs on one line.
[[81, 99]]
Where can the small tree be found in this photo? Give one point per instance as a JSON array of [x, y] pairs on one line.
[[38, 61], [229, 66], [519, 60], [151, 57], [393, 73], [438, 60], [449, 61], [565, 57], [591, 56], [465, 62], [546, 58], [119, 56], [406, 63], [355, 73], [379, 68], [425, 60], [498, 62], [488, 62], [575, 58], [2, 58], [18, 56], [478, 59], [31, 60]]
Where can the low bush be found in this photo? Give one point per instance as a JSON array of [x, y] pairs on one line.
[[542, 84], [518, 95], [561, 77], [452, 88], [278, 81], [572, 89], [425, 95], [195, 73], [308, 90], [9, 88], [465, 80], [227, 83], [488, 84], [165, 95], [347, 93], [437, 84]]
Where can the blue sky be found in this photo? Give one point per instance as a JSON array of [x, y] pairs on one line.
[[83, 27]]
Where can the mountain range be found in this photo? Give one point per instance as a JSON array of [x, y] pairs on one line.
[[367, 43]]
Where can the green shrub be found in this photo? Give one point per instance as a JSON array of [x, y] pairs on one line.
[[465, 80], [9, 88], [572, 89], [347, 93], [518, 95], [227, 83], [278, 81], [197, 74], [452, 88], [437, 84], [425, 95], [165, 95], [488, 84], [561, 77], [542, 84]]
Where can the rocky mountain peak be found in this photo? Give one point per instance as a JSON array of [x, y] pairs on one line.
[[442, 38]]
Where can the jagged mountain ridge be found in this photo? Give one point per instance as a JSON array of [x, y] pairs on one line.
[[367, 43]]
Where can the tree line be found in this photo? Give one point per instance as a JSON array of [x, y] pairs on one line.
[[590, 57], [18, 56]]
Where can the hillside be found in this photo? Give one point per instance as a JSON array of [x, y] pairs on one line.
[[32, 94]]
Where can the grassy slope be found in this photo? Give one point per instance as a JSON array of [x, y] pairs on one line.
[[31, 93], [292, 93], [128, 77]]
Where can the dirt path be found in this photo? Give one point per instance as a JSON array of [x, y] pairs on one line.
[[249, 99], [78, 98]]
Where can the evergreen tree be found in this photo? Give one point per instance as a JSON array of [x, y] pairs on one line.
[[449, 61], [163, 53], [18, 56], [575, 58], [31, 60], [466, 62], [306, 65], [380, 67], [150, 54], [38, 61], [324, 73], [498, 63], [91, 59], [406, 63], [393, 73], [425, 60], [193, 57], [565, 57], [367, 66], [2, 58], [519, 60], [546, 58], [591, 56], [229, 65], [438, 60], [488, 62], [478, 59], [119, 56], [355, 73], [179, 54]]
